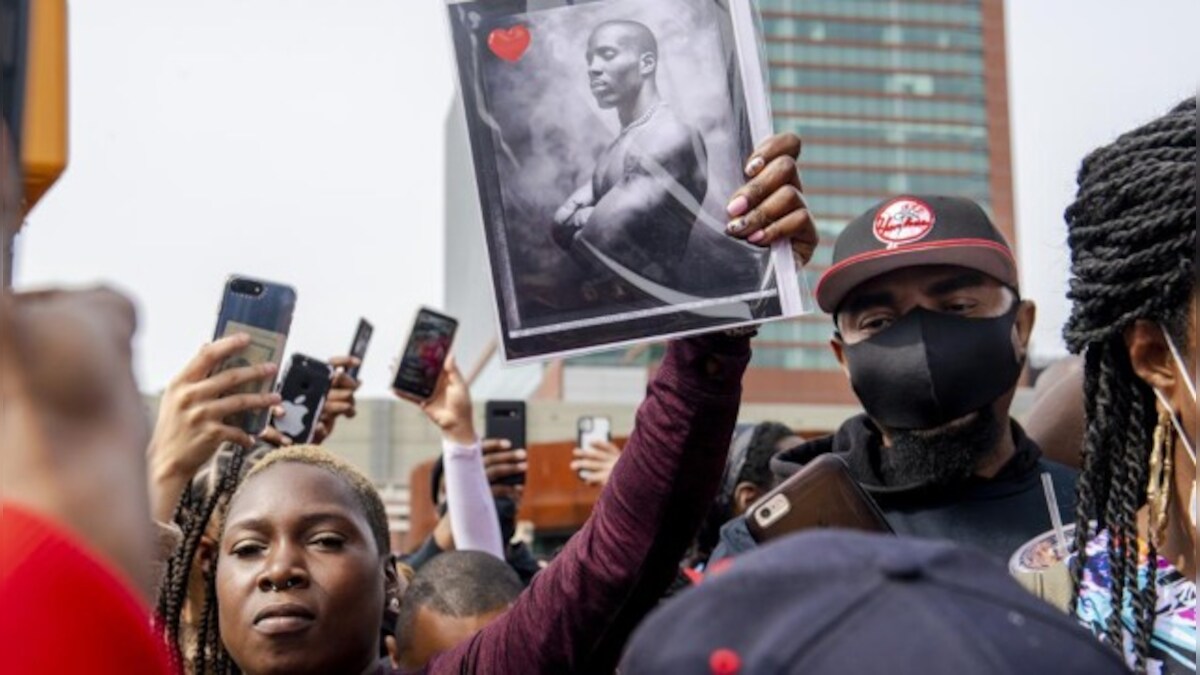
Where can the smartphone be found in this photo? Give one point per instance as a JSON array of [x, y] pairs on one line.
[[592, 429], [822, 494], [358, 348], [506, 420], [304, 387], [262, 309], [425, 355]]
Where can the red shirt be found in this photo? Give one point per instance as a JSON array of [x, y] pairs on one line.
[[63, 609]]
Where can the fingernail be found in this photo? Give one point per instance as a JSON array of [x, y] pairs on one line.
[[738, 206], [736, 226], [270, 367], [276, 398], [523, 466], [521, 454], [756, 164], [757, 237]]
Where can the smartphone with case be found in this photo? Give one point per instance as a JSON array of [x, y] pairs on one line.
[[358, 348], [821, 495], [506, 420], [304, 388], [263, 310], [424, 356], [592, 429]]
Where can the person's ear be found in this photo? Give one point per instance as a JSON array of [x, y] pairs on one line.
[[838, 345], [745, 494], [649, 63], [206, 553], [1151, 357], [1023, 327], [393, 590]]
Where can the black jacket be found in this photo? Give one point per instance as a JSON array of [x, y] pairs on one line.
[[996, 515]]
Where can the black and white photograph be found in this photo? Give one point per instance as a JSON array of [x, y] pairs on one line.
[[606, 137]]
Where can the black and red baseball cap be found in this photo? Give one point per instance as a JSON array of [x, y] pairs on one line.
[[912, 230]]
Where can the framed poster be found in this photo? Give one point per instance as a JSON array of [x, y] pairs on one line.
[[607, 137]]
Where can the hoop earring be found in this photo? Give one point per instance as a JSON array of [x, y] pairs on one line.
[[1158, 491]]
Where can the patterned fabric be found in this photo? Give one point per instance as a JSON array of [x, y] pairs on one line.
[[1173, 644]]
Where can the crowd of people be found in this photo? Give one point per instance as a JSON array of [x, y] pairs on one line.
[[191, 546]]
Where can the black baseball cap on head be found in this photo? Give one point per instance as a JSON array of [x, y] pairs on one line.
[[829, 602], [912, 230]]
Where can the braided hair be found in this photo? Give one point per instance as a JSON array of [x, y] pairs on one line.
[[1132, 233], [211, 488]]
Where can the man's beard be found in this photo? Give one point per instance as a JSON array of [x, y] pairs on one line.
[[941, 456]]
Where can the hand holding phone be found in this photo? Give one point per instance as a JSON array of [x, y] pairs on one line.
[[263, 310], [822, 494], [424, 356], [595, 454], [505, 420], [303, 389]]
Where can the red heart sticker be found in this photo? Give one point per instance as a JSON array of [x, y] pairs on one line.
[[509, 44]]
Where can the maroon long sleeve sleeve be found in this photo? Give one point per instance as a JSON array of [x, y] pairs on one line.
[[578, 611]]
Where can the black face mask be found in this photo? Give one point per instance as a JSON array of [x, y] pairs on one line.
[[930, 368]]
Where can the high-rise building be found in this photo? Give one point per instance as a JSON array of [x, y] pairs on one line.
[[890, 96]]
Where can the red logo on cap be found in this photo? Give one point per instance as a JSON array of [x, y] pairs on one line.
[[903, 222]]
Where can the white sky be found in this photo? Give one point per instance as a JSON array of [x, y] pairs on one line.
[[302, 141]]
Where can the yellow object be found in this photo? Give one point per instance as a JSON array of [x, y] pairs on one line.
[[44, 122]]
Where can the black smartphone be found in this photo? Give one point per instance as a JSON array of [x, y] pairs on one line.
[[425, 355], [506, 420], [358, 348], [304, 387], [263, 310], [823, 494]]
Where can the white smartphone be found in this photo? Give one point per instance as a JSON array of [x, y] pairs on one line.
[[592, 429]]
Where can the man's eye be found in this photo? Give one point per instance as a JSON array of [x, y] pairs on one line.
[[329, 542], [874, 324], [959, 306]]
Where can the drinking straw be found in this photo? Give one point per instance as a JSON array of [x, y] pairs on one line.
[[1055, 517]]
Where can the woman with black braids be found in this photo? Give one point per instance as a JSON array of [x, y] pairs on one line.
[[1132, 232]]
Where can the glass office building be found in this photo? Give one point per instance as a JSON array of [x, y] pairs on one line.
[[890, 96]]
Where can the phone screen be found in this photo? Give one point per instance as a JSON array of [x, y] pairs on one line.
[[423, 358]]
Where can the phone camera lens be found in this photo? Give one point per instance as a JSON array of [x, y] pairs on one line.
[[764, 513]]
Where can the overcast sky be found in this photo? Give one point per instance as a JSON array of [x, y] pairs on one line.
[[302, 141]]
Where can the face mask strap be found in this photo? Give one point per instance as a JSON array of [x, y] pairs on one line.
[[1179, 362]]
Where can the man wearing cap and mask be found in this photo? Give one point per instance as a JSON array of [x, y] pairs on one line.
[[932, 331]]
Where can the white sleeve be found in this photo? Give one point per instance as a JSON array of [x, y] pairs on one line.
[[469, 499]]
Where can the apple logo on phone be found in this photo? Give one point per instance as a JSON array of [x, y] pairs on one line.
[[292, 422]]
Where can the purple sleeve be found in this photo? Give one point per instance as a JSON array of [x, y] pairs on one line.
[[579, 609]]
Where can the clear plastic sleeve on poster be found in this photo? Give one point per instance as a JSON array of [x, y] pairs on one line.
[[607, 137]]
